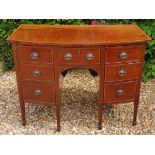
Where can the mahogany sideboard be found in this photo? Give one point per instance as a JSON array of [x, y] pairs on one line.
[[43, 52]]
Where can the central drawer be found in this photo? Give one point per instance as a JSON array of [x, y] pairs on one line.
[[79, 56], [42, 93]]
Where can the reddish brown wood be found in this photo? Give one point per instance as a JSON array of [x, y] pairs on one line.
[[18, 78], [47, 93], [113, 72], [57, 72], [111, 96], [113, 54], [101, 90], [78, 34], [45, 54], [79, 56], [52, 43], [29, 73], [136, 102]]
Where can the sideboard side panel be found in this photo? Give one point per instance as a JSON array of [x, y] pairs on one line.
[[137, 98], [22, 104]]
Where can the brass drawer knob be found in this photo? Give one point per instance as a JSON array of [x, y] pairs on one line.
[[37, 92], [36, 73], [122, 72], [90, 56], [123, 55], [68, 56], [120, 92], [34, 55]]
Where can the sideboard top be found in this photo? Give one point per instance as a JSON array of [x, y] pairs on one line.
[[78, 34]]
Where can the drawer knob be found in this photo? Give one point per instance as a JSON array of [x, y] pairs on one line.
[[90, 56], [120, 92], [36, 73], [37, 92], [34, 55], [68, 56], [123, 55], [122, 72]]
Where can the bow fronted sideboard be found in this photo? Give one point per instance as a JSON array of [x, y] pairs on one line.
[[43, 52]]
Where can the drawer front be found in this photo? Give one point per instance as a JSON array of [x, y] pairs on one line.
[[122, 54], [35, 54], [121, 72], [35, 72], [76, 56], [42, 93], [119, 92]]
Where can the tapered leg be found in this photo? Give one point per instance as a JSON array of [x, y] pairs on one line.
[[58, 96], [100, 101], [100, 111], [22, 106], [136, 103], [58, 116]]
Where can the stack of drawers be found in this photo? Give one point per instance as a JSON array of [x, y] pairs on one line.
[[122, 66], [36, 74]]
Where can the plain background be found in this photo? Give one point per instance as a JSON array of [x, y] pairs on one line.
[[71, 144]]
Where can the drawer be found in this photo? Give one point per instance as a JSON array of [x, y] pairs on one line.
[[42, 93], [119, 92], [119, 54], [35, 54], [121, 72], [76, 56], [36, 72]]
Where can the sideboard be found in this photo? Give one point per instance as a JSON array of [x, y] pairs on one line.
[[43, 52]]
